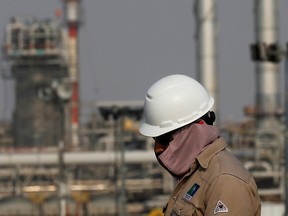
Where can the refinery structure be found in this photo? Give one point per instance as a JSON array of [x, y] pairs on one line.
[[53, 165]]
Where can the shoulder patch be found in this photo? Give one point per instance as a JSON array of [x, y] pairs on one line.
[[188, 196], [220, 207]]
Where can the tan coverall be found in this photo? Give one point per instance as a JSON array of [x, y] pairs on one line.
[[217, 184]]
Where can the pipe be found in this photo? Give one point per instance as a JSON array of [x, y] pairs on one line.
[[76, 158]]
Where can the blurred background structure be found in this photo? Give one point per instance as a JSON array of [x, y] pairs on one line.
[[61, 155]]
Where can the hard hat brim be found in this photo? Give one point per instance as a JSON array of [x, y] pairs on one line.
[[154, 131]]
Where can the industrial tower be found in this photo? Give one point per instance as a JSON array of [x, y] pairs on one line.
[[43, 60], [269, 140], [35, 51], [72, 21]]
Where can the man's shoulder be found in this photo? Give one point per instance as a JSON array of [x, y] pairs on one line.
[[225, 163]]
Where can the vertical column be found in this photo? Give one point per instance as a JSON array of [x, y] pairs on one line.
[[267, 73], [72, 18], [73, 69], [206, 62]]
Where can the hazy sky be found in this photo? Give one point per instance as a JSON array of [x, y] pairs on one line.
[[126, 45]]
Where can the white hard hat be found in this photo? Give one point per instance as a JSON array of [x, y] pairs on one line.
[[173, 102]]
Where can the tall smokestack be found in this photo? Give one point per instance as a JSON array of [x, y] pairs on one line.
[[73, 22], [266, 52], [267, 73], [206, 62]]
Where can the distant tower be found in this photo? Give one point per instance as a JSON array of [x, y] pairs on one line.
[[72, 20], [206, 50], [267, 72], [269, 141], [36, 54]]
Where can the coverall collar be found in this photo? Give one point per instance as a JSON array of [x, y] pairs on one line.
[[204, 157]]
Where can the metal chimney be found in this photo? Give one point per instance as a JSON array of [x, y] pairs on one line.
[[267, 73], [72, 9], [269, 141], [206, 61]]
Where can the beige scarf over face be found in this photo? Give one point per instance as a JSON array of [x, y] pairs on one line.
[[186, 145]]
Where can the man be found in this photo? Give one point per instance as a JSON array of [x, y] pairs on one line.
[[211, 181]]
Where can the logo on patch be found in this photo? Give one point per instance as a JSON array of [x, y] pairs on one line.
[[220, 207], [188, 196]]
